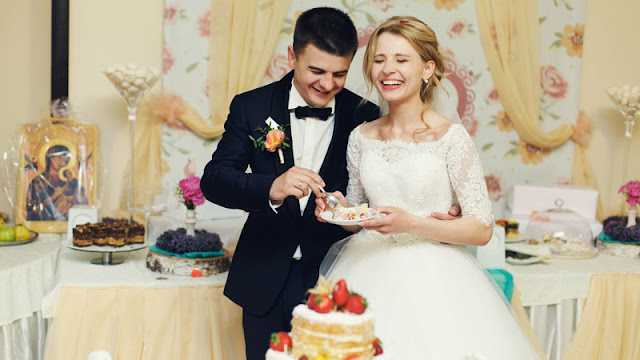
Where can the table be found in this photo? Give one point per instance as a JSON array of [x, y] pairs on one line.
[[134, 313], [26, 274], [554, 295]]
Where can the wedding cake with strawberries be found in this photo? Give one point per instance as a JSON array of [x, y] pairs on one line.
[[334, 324]]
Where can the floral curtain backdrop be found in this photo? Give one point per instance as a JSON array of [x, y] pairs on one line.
[[506, 159]]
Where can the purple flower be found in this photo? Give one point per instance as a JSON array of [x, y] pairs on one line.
[[178, 242], [616, 228]]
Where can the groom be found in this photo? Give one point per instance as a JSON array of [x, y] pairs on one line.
[[282, 244]]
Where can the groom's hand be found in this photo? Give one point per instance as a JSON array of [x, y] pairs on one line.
[[454, 213], [321, 204], [295, 182]]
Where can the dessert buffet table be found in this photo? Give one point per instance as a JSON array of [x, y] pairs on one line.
[[134, 313], [554, 297], [26, 274]]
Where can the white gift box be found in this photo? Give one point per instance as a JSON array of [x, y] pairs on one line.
[[525, 200]]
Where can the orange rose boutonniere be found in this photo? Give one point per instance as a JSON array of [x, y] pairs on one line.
[[272, 139]]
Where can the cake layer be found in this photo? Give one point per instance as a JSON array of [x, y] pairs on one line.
[[336, 335], [277, 355]]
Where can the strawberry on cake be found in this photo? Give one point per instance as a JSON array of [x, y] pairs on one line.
[[335, 324]]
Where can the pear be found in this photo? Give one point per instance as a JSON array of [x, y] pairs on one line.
[[22, 233]]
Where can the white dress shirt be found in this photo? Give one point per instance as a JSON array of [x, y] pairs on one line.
[[310, 141]]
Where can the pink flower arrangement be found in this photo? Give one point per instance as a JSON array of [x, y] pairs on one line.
[[632, 191], [189, 192]]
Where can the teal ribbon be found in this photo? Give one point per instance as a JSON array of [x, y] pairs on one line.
[[504, 280], [189, 255], [605, 238]]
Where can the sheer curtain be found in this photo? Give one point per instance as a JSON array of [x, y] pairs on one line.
[[510, 33], [243, 36], [242, 41]]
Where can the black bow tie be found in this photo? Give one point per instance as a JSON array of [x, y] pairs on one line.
[[306, 111]]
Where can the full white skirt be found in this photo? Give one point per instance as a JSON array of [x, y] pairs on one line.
[[431, 300]]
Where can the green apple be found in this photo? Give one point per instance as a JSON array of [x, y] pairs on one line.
[[7, 233]]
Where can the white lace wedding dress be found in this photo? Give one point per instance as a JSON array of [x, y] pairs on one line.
[[431, 300]]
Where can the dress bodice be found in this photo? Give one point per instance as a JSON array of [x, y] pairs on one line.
[[420, 178]]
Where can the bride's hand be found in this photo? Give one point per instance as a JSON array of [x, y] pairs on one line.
[[395, 221], [321, 204]]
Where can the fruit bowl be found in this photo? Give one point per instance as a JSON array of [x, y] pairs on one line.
[[32, 237]]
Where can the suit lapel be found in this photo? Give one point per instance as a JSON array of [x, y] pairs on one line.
[[280, 114]]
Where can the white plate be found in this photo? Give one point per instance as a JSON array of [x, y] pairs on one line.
[[103, 249], [528, 261], [326, 216], [510, 240]]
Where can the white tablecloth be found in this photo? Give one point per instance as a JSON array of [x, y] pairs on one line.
[[133, 312], [553, 295], [75, 269], [26, 274]]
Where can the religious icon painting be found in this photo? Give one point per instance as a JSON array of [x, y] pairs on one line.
[[57, 170]]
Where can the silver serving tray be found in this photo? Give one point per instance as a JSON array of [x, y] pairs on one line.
[[33, 237]]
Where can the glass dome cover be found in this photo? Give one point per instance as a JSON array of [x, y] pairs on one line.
[[567, 233]]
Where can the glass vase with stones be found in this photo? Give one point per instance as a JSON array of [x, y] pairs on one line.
[[132, 82], [627, 100]]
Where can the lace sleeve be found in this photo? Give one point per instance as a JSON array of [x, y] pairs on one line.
[[467, 177], [355, 192]]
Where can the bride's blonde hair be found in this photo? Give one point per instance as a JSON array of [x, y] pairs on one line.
[[422, 39]]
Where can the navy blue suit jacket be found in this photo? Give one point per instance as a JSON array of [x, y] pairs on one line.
[[268, 240]]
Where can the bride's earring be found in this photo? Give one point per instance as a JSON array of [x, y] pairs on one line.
[[426, 82]]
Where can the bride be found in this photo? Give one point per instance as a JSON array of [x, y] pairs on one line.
[[430, 297]]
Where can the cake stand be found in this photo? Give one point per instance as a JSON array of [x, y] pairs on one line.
[[106, 257]]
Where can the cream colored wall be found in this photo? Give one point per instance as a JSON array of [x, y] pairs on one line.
[[25, 69], [104, 33], [611, 58]]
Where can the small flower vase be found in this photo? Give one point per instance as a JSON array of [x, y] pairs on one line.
[[631, 216], [190, 222]]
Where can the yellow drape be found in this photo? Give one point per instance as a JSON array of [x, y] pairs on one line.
[[243, 37], [514, 61], [510, 33], [187, 322], [518, 310], [609, 327]]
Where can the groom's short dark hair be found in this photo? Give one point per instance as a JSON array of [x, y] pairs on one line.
[[328, 29]]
